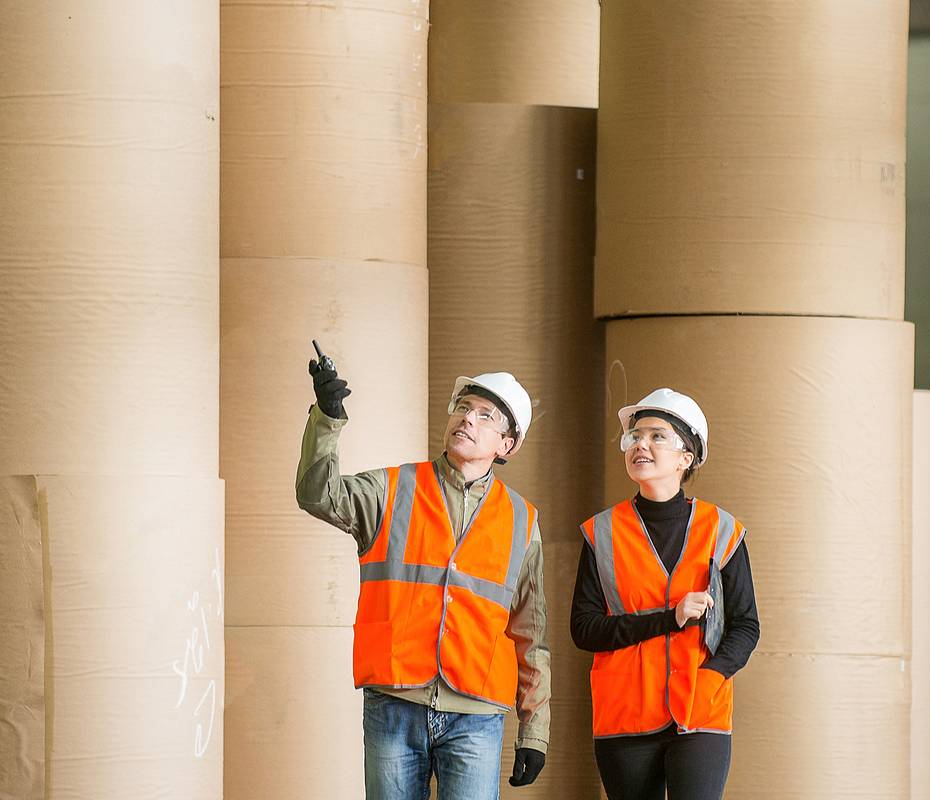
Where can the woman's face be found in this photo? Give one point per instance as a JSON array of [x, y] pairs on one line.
[[657, 454]]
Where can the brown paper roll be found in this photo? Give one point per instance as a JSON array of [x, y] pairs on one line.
[[819, 727], [324, 130], [539, 53], [284, 567], [22, 641], [296, 714], [511, 201], [108, 229], [510, 251], [752, 161], [809, 447], [920, 555], [570, 770], [130, 573]]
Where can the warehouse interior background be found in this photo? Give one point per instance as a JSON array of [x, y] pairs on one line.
[[729, 198]]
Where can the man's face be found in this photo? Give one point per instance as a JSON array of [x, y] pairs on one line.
[[476, 431]]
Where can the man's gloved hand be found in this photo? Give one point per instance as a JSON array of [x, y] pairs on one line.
[[330, 389], [527, 764]]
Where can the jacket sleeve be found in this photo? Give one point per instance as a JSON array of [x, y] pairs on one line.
[[741, 618], [352, 503], [528, 629], [595, 630]]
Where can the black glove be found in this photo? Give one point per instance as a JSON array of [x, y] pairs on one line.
[[527, 764], [330, 389]]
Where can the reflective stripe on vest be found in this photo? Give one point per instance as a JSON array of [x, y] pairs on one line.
[[429, 605], [640, 689]]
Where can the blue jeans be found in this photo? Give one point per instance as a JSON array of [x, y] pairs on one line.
[[405, 743]]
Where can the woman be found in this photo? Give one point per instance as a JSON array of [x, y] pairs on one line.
[[662, 703]]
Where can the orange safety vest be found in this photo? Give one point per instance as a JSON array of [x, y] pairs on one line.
[[429, 606], [642, 688]]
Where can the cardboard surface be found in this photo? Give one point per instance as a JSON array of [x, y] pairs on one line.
[[293, 715], [819, 727], [570, 771], [324, 130], [791, 404], [751, 161], [108, 229], [132, 671], [920, 553], [510, 251], [284, 567], [22, 642], [511, 246], [810, 447], [539, 53]]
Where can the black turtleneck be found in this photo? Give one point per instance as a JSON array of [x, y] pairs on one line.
[[595, 630]]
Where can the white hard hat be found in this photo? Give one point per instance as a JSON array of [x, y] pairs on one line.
[[508, 390], [679, 406]]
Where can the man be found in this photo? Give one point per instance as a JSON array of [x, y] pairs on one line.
[[451, 624]]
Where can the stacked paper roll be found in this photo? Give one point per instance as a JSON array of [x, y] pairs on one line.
[[111, 534], [323, 223], [751, 228], [790, 408], [920, 557], [539, 53], [752, 161], [511, 213]]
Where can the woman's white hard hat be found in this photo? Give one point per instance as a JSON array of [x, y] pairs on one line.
[[508, 390], [679, 406]]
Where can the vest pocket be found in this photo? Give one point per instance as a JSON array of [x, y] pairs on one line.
[[713, 701], [500, 684], [372, 656], [617, 703]]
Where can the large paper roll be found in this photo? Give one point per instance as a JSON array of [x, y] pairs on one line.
[[296, 715], [810, 448], [324, 129], [284, 567], [539, 53], [108, 230], [570, 769], [752, 160], [122, 690], [920, 555], [819, 727], [511, 245]]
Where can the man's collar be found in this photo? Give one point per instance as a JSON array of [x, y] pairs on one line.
[[454, 477]]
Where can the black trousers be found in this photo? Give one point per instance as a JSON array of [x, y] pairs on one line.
[[691, 766]]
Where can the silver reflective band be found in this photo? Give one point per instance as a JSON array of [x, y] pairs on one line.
[[661, 438], [394, 568], [604, 556]]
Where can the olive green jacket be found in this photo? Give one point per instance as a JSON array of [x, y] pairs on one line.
[[352, 503]]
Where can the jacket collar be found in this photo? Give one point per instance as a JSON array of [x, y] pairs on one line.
[[456, 479]]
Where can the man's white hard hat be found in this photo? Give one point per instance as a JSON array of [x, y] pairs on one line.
[[679, 406], [508, 390]]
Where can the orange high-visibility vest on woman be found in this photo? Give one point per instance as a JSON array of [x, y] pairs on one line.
[[644, 687], [429, 606]]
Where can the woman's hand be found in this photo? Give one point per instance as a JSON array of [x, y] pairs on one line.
[[692, 606]]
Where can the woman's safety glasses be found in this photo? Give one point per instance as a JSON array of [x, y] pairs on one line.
[[661, 438]]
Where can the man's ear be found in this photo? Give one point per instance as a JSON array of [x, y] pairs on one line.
[[507, 444]]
